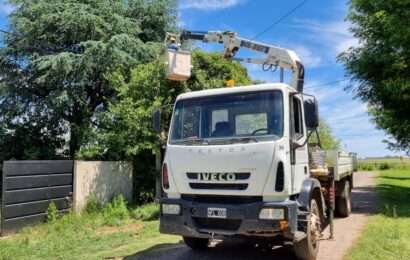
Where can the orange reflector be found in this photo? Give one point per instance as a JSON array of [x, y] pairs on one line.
[[283, 225]]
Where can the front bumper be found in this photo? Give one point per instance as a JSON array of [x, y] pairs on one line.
[[241, 219]]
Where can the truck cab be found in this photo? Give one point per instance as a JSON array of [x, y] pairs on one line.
[[233, 141], [237, 164]]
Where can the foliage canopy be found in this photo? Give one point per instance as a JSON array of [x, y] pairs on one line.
[[381, 64], [57, 60], [327, 139]]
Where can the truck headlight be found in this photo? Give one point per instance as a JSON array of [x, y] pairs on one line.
[[171, 209], [270, 213]]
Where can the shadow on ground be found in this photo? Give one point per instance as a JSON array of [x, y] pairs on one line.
[[394, 178], [395, 200], [222, 251], [363, 200], [363, 203]]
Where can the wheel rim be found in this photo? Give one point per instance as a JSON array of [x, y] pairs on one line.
[[314, 223]]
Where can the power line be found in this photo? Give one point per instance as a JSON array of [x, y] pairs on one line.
[[9, 33], [5, 32], [327, 83], [280, 19]]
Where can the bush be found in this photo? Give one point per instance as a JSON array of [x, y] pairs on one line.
[[146, 212], [116, 211], [52, 213], [93, 206], [384, 166], [144, 178], [366, 166]]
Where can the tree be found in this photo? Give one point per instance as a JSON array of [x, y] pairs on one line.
[[381, 64], [125, 129], [58, 55], [327, 139], [125, 132]]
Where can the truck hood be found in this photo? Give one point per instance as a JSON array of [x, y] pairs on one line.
[[209, 169]]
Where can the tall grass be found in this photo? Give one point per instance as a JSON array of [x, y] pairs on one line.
[[117, 210], [146, 212], [101, 231]]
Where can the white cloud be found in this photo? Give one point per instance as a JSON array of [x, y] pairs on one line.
[[334, 35], [345, 44], [309, 59], [323, 93], [208, 4], [349, 119], [6, 8]]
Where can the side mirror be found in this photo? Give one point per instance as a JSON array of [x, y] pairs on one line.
[[156, 120], [311, 113]]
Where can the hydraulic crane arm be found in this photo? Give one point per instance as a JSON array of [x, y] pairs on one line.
[[275, 56]]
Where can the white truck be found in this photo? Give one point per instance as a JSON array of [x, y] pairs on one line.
[[238, 162]]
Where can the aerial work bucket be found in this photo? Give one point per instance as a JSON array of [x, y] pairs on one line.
[[179, 65]]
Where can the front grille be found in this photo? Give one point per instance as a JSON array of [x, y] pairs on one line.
[[219, 186], [218, 180], [217, 224], [238, 175], [218, 199]]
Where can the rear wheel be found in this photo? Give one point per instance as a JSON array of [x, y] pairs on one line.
[[344, 202], [307, 248], [196, 243]]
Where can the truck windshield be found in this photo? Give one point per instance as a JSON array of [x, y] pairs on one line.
[[240, 117]]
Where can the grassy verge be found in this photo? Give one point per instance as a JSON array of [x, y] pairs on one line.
[[387, 235], [110, 232]]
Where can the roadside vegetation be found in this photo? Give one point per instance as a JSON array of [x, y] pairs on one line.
[[384, 164], [387, 236], [114, 230]]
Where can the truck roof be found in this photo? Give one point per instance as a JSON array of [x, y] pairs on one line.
[[231, 90]]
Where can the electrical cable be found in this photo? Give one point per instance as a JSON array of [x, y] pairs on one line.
[[283, 17], [5, 32], [327, 83]]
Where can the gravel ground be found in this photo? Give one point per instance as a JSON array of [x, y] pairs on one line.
[[347, 230]]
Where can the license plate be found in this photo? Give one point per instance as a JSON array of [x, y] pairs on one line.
[[216, 213]]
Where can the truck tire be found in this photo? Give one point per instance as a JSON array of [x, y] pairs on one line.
[[344, 201], [196, 243], [307, 248]]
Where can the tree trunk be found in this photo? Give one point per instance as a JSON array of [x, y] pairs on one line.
[[74, 140]]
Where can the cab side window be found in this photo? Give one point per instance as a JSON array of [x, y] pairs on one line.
[[297, 130]]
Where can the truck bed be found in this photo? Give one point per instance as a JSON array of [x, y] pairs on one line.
[[340, 163]]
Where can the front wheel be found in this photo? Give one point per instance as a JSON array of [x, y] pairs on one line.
[[196, 243], [308, 248]]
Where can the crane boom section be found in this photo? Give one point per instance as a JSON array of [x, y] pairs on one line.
[[275, 56]]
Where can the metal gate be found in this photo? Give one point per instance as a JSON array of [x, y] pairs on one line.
[[28, 187]]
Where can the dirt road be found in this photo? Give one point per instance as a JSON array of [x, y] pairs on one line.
[[346, 232]]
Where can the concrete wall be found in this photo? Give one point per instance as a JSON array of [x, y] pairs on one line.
[[102, 180]]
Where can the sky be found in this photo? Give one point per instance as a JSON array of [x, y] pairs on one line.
[[317, 31]]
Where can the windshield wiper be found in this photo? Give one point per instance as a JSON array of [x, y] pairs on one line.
[[243, 140], [192, 141]]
